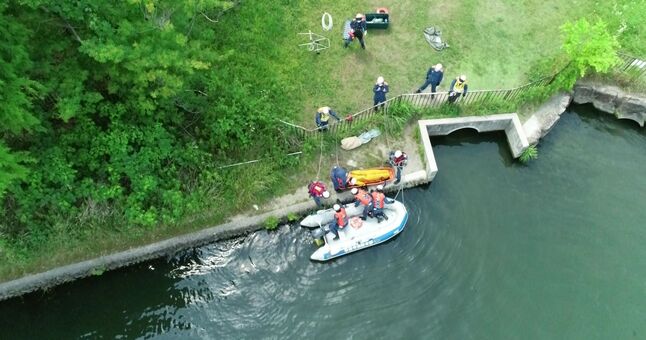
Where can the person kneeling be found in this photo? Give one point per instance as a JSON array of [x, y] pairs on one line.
[[379, 199], [361, 197]]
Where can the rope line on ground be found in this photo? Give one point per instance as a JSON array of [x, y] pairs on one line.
[[318, 173]]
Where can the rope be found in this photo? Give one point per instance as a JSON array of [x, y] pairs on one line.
[[386, 117], [256, 160], [336, 147], [318, 173]]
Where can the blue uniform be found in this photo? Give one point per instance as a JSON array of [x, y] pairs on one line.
[[380, 93], [339, 177], [433, 78]]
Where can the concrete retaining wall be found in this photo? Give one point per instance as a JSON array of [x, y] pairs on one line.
[[509, 123]]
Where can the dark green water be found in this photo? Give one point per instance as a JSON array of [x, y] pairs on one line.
[[492, 250]]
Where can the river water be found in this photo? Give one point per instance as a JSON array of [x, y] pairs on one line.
[[492, 250]]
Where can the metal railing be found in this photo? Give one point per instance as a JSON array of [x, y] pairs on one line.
[[632, 66], [419, 101]]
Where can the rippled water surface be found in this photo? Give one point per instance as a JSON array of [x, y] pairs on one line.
[[492, 250]]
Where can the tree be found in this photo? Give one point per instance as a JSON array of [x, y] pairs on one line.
[[588, 47]]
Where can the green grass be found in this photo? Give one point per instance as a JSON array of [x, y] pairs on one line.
[[495, 43]]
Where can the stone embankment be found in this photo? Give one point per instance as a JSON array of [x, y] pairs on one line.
[[611, 99]]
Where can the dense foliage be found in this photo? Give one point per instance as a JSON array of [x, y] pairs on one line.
[[118, 114]]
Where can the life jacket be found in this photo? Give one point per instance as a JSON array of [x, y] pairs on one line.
[[399, 161], [341, 217], [363, 197], [324, 116], [378, 198], [317, 188], [459, 85]]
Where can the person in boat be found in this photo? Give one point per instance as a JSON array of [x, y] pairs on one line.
[[379, 199], [398, 159], [339, 177], [362, 197], [340, 220], [323, 115], [317, 190]]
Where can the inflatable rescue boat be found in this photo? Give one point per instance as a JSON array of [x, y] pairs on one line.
[[357, 234]]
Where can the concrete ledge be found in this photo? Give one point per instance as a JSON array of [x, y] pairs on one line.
[[236, 227], [509, 123]]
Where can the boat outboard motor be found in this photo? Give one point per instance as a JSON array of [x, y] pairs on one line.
[[318, 235]]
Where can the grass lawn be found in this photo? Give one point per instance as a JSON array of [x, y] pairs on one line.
[[494, 43]]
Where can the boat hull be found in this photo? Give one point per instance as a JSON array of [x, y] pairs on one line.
[[370, 234]]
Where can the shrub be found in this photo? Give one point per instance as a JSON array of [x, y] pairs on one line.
[[271, 223], [291, 217], [529, 154]]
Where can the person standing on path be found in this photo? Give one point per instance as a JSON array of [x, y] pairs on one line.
[[398, 159], [380, 89], [434, 78], [323, 117], [458, 87], [317, 190]]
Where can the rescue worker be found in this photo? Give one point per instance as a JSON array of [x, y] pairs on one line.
[[340, 220], [380, 89], [323, 117], [362, 197], [398, 159], [358, 30], [379, 199], [339, 177], [458, 87], [434, 78], [317, 190]]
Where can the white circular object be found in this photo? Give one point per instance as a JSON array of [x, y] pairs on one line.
[[326, 21]]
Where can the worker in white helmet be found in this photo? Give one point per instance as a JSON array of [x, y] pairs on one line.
[[458, 87], [380, 89], [340, 220], [398, 159], [323, 115], [379, 200]]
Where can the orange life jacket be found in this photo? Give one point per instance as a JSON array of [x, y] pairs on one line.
[[341, 217], [378, 198], [363, 197]]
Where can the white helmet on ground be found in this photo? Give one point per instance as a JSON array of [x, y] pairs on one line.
[[398, 153], [336, 207], [326, 194], [380, 187], [354, 191]]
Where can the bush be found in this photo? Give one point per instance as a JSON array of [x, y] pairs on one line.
[[271, 223], [529, 154]]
